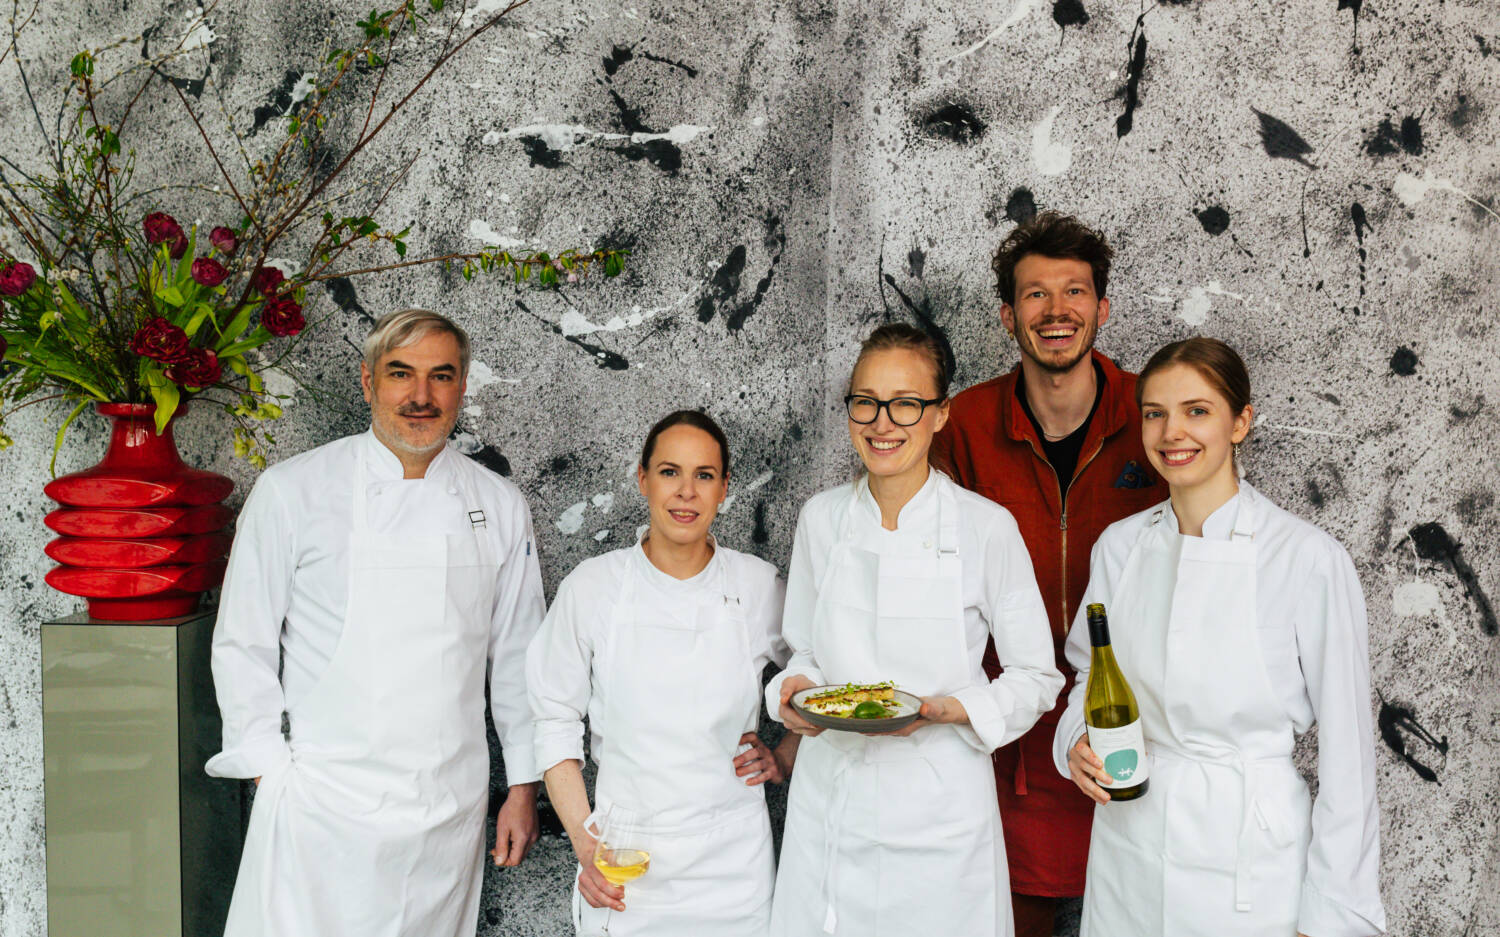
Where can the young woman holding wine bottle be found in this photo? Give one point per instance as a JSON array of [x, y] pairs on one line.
[[1237, 626], [903, 576], [661, 644]]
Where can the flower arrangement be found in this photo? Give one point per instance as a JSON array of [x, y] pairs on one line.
[[107, 298]]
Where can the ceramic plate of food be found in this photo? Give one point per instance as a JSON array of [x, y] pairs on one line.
[[857, 707]]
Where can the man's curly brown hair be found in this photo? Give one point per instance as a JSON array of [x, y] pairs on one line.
[[1051, 234]]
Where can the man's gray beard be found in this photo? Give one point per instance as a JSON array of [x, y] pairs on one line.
[[396, 443]]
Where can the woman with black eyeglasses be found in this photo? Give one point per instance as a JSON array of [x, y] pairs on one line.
[[903, 576]]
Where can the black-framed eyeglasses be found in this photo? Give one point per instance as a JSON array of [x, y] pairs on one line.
[[903, 411]]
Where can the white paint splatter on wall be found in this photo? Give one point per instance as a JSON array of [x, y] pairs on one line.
[[1051, 159], [571, 520], [1417, 598], [480, 230]]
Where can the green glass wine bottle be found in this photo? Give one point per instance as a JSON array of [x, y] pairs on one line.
[[1113, 718]]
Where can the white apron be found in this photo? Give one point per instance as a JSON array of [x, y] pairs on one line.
[[1219, 843], [677, 699], [376, 827], [893, 837]]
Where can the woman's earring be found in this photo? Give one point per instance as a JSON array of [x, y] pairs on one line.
[[1239, 463]]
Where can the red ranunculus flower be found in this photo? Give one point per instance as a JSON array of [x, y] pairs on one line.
[[266, 279], [282, 317], [160, 340], [16, 278], [161, 227], [208, 272], [223, 240], [198, 368], [179, 247]]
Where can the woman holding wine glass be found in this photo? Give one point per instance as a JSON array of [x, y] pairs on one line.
[[1237, 625], [661, 645], [904, 576]]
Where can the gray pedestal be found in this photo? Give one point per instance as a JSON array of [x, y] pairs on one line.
[[140, 842]]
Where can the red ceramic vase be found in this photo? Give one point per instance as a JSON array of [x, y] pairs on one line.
[[144, 534]]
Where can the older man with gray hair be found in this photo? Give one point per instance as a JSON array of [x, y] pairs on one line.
[[376, 585]]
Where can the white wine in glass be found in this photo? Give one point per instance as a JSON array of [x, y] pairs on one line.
[[623, 850]]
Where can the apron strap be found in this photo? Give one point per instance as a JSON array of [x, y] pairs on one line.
[[947, 542], [361, 496], [1244, 519]]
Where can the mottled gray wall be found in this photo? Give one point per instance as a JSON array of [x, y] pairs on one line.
[[1315, 182]]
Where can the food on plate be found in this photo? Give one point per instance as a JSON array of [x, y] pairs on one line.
[[855, 700]]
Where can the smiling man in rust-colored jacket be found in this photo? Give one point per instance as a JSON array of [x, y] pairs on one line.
[[1057, 441]]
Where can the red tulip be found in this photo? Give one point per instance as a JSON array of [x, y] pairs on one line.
[[179, 247], [266, 279], [161, 227], [208, 272], [198, 368], [16, 278], [282, 317], [161, 341], [223, 240]]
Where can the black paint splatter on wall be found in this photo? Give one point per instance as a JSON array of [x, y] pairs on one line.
[[192, 87], [922, 312], [916, 262], [1404, 362], [1361, 225], [1214, 219], [775, 244], [1353, 5], [1136, 48], [277, 103], [341, 291], [541, 155], [1433, 543], [1386, 139], [953, 121], [1398, 724], [761, 534], [1067, 13], [1021, 206], [492, 459], [603, 357], [618, 56], [724, 284], [1281, 141]]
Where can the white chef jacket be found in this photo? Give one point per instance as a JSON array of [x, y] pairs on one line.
[[560, 675], [1000, 600], [1311, 616], [286, 589]]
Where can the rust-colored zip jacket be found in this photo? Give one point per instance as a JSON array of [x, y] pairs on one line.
[[991, 447]]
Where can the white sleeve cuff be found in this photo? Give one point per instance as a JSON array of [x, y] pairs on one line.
[[556, 743], [253, 758], [1321, 916], [1070, 727], [986, 722], [773, 688]]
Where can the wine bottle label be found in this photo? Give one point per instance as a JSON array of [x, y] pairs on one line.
[[1123, 751]]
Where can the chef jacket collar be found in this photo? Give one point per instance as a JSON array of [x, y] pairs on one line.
[[663, 581], [381, 464], [864, 499], [1220, 524]]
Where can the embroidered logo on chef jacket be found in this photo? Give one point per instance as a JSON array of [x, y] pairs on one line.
[[1133, 476], [476, 519]]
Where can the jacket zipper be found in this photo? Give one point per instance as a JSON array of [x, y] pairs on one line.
[[1067, 622], [1062, 501]]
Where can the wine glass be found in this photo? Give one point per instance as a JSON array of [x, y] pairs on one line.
[[623, 850]]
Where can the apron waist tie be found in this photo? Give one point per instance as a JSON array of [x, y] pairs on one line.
[[833, 827], [1251, 811]]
